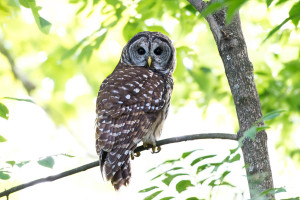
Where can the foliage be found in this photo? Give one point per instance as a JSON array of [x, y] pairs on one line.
[[188, 176], [202, 170], [48, 162]]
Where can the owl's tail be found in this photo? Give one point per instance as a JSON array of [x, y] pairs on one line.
[[122, 176], [118, 175]]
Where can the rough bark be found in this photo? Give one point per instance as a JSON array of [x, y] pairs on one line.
[[239, 71]]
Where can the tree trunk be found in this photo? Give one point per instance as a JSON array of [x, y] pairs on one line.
[[239, 71]]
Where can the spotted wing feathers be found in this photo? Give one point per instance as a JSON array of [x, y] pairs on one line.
[[128, 104]]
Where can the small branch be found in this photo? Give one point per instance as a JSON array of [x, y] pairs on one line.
[[215, 28], [200, 5], [28, 85], [139, 148], [188, 138]]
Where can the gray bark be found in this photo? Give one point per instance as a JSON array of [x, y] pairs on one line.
[[239, 71]]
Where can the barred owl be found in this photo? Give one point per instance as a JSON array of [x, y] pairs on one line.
[[133, 103]]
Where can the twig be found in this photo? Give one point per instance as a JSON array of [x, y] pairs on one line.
[[96, 163], [189, 137], [200, 5], [28, 85]]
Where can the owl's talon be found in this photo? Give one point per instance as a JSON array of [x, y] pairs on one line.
[[136, 154], [156, 149]]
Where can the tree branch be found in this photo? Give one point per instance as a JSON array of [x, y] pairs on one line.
[[138, 149], [28, 85]]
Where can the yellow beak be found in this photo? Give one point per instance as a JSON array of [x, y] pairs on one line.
[[149, 61]]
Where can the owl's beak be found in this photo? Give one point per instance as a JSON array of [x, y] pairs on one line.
[[149, 61]]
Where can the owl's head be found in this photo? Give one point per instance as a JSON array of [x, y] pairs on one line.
[[150, 49]]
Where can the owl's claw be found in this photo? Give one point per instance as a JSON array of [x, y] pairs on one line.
[[156, 149], [136, 154]]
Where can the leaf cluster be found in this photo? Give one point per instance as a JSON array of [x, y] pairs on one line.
[[47, 162], [183, 178]]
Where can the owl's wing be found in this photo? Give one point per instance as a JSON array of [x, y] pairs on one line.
[[128, 103]]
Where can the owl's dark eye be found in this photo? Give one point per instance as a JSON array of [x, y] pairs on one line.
[[158, 51], [141, 51]]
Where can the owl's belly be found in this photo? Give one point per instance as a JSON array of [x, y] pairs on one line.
[[156, 128]]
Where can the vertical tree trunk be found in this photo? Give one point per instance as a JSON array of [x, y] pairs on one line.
[[239, 71]]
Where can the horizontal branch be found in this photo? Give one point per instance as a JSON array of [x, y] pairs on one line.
[[139, 148], [188, 138]]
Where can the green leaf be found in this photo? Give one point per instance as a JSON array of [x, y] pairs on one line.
[[24, 3], [235, 158], [171, 161], [183, 185], [47, 162], [45, 25], [233, 7], [95, 2], [18, 99], [4, 175], [99, 40], [152, 196], [268, 2], [226, 184], [213, 183], [280, 2], [186, 154], [212, 7], [202, 167], [86, 53], [201, 158], [202, 181], [159, 175], [173, 169], [3, 111], [73, 50], [272, 191], [217, 165], [224, 175], [167, 198], [148, 189], [67, 155], [2, 139], [250, 133], [192, 198], [11, 162], [295, 13], [153, 168], [232, 151], [270, 115], [42, 23], [274, 30], [170, 178], [21, 164]]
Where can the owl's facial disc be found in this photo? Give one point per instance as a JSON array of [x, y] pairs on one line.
[[160, 53], [139, 51]]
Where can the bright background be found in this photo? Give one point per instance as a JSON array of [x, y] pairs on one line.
[[67, 80]]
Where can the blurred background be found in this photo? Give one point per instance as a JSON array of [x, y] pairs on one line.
[[56, 53]]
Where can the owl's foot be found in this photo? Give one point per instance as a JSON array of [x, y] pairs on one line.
[[137, 154], [156, 149]]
